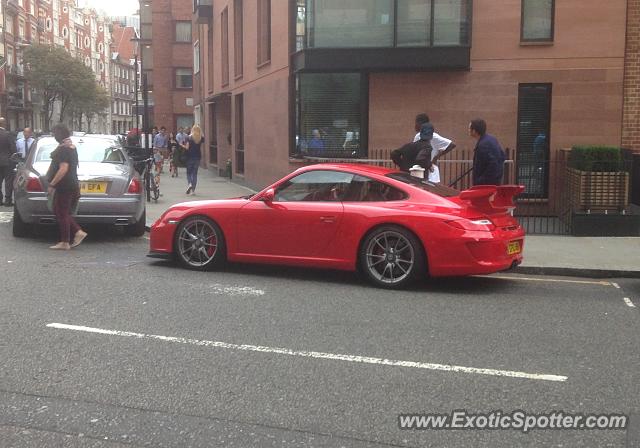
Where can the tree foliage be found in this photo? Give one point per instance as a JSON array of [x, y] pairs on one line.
[[61, 77]]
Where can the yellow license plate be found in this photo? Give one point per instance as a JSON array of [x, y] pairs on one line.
[[93, 187], [513, 248]]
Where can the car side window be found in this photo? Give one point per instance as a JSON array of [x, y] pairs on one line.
[[315, 186], [364, 189]]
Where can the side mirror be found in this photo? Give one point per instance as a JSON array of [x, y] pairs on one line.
[[16, 157], [268, 196]]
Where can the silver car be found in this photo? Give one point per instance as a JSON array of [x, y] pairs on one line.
[[111, 190]]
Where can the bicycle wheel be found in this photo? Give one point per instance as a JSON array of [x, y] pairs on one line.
[[155, 190]]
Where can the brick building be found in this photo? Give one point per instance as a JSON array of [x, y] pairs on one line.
[[81, 31], [544, 74], [123, 78], [167, 61], [631, 118]]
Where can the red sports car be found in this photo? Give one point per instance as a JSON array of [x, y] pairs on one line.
[[390, 225]]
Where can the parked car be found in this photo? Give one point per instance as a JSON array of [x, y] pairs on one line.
[[111, 190], [392, 226]]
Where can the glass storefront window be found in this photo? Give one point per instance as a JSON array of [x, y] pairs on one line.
[[329, 115]]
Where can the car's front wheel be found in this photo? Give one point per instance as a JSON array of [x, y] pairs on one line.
[[199, 244], [20, 228], [392, 257]]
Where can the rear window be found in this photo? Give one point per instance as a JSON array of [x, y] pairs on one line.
[[439, 189], [89, 150]]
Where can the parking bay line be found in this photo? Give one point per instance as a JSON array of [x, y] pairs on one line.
[[316, 355], [550, 280]]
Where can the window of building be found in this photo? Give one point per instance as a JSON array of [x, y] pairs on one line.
[[382, 23], [147, 57], [534, 122], [537, 20], [184, 121], [264, 31], [183, 31], [224, 32], [414, 23], [9, 25], [450, 22], [210, 58], [239, 128], [329, 114], [238, 38], [21, 28], [184, 78], [357, 23], [196, 57], [10, 58]]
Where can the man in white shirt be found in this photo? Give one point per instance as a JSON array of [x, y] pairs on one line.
[[440, 145], [23, 145]]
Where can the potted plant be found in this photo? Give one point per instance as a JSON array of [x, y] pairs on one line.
[[597, 184]]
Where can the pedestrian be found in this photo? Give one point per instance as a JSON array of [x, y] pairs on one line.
[[415, 153], [193, 156], [7, 149], [488, 155], [160, 143], [174, 155], [440, 146], [23, 145], [65, 188], [181, 137]]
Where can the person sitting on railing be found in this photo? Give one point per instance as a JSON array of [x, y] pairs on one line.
[[440, 146], [316, 143], [415, 153]]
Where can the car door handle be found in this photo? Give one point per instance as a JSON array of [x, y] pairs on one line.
[[328, 219]]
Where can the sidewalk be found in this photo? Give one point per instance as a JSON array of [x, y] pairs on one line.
[[544, 255]]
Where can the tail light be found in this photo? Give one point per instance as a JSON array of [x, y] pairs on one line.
[[134, 186], [33, 185], [481, 224]]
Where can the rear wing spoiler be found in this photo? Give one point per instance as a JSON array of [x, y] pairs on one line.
[[492, 197]]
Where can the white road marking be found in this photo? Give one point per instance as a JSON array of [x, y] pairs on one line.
[[551, 280], [615, 285], [316, 355], [6, 217], [629, 303], [217, 288]]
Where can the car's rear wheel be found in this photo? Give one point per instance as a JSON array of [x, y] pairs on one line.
[[392, 257], [20, 228], [199, 244], [139, 227]]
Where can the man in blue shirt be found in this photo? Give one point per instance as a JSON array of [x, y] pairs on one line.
[[488, 155], [160, 142], [23, 145]]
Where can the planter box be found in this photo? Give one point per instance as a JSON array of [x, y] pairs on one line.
[[605, 225], [597, 191]]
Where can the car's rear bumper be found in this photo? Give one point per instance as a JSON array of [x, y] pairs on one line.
[[115, 211], [476, 253]]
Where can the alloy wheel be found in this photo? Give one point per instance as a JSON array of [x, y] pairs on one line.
[[198, 242], [390, 257]]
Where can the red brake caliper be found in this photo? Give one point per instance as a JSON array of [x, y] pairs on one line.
[[211, 241]]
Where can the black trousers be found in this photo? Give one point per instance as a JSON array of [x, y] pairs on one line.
[[7, 175]]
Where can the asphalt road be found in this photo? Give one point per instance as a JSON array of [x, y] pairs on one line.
[[102, 347]]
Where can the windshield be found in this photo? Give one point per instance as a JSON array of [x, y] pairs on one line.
[[440, 190], [89, 150]]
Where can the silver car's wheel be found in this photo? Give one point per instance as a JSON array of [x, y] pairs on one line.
[[391, 257], [199, 243]]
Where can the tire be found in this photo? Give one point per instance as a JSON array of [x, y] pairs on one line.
[[20, 228], [392, 257], [139, 227], [199, 244]]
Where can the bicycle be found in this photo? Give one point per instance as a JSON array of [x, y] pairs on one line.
[[151, 187]]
